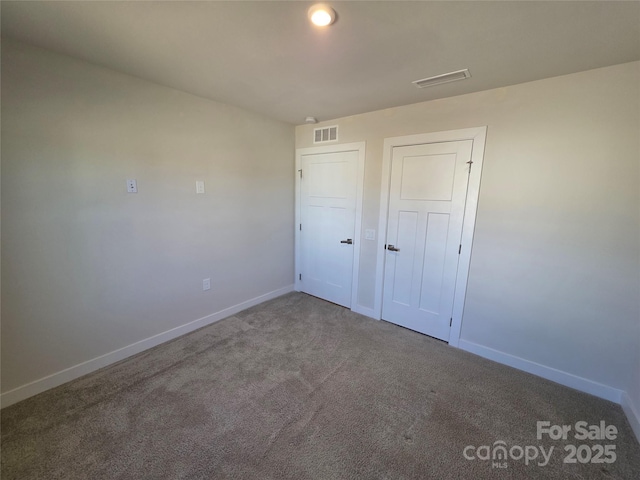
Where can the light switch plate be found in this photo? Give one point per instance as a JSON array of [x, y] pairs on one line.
[[199, 186], [206, 284], [369, 234]]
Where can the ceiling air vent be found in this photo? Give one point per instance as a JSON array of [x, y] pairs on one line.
[[444, 78], [325, 134]]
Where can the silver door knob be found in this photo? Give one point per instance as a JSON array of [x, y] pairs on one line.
[[348, 241], [392, 248]]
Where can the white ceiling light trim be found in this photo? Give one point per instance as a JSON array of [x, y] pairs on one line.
[[444, 78], [322, 14]]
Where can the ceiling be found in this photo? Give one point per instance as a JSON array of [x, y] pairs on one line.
[[265, 56]]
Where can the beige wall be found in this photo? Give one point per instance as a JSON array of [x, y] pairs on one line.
[[88, 268], [554, 276]]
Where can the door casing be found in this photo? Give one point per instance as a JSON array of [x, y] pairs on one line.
[[337, 148], [478, 136]]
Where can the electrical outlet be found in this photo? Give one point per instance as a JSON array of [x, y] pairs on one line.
[[199, 186], [132, 186], [206, 284]]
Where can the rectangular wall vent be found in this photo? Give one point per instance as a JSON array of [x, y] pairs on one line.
[[325, 134], [444, 78]]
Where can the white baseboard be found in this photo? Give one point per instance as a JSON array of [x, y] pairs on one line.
[[367, 312], [558, 376], [632, 412], [71, 373]]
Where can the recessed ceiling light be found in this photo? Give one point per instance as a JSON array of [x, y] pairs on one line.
[[322, 15]]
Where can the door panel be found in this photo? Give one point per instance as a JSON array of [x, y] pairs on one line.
[[435, 250], [328, 214], [327, 179], [406, 233], [427, 177], [426, 209]]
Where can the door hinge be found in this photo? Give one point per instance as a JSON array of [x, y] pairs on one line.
[[300, 172], [459, 249], [300, 227], [300, 277], [450, 321]]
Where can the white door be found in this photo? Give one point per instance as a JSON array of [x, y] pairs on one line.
[[328, 188], [426, 211]]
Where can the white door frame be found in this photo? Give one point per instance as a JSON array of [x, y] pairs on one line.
[[337, 148], [478, 135]]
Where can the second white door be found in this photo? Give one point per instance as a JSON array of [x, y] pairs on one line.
[[426, 211], [328, 188]]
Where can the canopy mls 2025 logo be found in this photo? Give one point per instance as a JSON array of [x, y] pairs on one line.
[[499, 453]]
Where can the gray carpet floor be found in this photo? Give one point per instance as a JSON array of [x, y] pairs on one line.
[[298, 388]]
